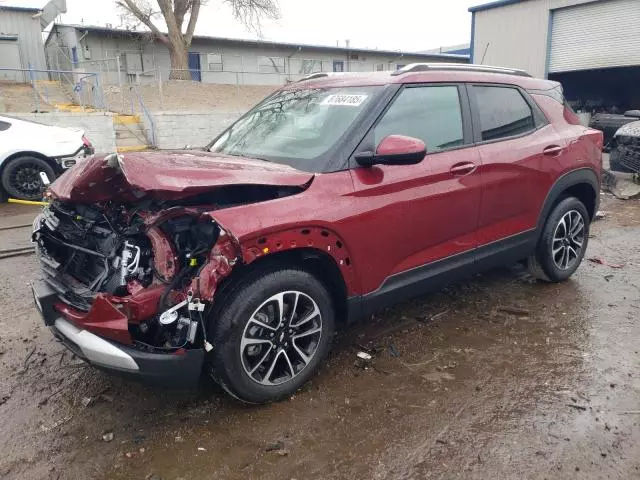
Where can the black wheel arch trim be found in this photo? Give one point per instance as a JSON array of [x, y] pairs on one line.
[[570, 179]]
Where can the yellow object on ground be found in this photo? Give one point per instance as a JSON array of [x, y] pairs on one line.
[[27, 202]]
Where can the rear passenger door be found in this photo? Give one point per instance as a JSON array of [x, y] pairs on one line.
[[515, 142]]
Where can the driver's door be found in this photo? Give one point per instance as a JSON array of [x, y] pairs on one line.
[[417, 215]]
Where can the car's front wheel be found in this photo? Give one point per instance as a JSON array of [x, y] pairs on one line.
[[21, 177], [271, 335], [563, 242]]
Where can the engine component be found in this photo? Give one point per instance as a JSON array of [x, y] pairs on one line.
[[171, 315], [129, 261]]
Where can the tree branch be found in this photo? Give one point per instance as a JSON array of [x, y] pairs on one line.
[[250, 12], [131, 7], [193, 19]]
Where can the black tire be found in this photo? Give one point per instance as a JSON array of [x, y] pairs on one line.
[[233, 320], [21, 177], [546, 265]]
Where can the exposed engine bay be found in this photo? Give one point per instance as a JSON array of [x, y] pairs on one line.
[[143, 273]]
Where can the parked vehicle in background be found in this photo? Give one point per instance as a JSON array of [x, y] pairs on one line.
[[609, 123], [334, 197], [625, 149], [28, 148]]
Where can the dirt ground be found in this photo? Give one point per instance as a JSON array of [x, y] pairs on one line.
[[497, 377]]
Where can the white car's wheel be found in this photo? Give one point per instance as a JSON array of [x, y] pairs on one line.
[[21, 177]]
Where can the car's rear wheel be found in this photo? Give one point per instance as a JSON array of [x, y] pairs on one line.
[[21, 177], [563, 242], [271, 335]]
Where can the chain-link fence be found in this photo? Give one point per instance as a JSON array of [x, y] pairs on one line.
[[54, 89]]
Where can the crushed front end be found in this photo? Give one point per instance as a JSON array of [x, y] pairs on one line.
[[625, 151], [121, 285]]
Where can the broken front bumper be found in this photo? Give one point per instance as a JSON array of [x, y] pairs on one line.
[[179, 369]]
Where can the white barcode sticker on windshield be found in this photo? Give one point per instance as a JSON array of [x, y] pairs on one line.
[[345, 100]]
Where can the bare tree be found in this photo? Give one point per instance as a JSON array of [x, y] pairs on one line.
[[175, 13]]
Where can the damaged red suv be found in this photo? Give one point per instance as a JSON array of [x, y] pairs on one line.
[[335, 196]]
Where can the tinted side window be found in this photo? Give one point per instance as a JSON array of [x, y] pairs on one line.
[[431, 114], [503, 112], [4, 126]]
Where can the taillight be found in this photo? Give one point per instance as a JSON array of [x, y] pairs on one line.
[[86, 142]]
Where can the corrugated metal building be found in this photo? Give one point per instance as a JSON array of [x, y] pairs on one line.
[[127, 56], [591, 46], [20, 41]]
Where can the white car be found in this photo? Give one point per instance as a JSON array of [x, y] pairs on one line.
[[28, 148]]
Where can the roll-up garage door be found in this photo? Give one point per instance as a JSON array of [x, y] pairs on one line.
[[600, 34]]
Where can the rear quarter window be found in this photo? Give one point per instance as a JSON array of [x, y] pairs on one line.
[[503, 112], [4, 126]]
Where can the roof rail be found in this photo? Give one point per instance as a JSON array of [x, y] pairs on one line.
[[424, 67], [313, 75]]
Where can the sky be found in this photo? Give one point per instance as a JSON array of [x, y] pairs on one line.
[[407, 25]]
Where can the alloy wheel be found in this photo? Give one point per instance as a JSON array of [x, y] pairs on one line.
[[281, 338], [568, 240], [26, 180]]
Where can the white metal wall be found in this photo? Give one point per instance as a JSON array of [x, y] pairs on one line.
[[515, 35], [27, 29], [607, 33]]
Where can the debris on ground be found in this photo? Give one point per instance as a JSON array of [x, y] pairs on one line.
[[600, 215], [363, 360], [393, 350], [107, 436], [272, 447], [602, 261], [178, 439], [202, 449], [577, 407], [86, 401], [521, 312]]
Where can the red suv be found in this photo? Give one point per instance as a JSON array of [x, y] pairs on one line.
[[335, 196]]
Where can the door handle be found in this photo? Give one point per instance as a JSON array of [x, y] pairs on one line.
[[463, 168], [552, 150]]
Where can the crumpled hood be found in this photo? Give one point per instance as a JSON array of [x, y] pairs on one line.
[[167, 175]]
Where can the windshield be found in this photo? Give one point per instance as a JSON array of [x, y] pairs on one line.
[[296, 127]]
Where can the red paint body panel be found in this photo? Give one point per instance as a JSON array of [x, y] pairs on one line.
[[168, 175]]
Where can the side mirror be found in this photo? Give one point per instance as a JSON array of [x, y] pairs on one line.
[[394, 150]]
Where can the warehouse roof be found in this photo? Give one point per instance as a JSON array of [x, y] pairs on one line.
[[496, 4], [261, 43], [11, 8]]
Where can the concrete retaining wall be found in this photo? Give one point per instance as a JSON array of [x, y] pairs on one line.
[[98, 127], [196, 129]]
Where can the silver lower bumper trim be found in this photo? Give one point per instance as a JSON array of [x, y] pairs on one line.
[[96, 349]]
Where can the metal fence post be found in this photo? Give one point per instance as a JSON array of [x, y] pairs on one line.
[[118, 67], [160, 90], [36, 96]]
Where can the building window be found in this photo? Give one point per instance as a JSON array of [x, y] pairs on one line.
[[271, 65], [338, 66], [431, 114], [503, 112], [379, 67], [214, 62]]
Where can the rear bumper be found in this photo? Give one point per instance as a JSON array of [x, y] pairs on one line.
[[169, 370]]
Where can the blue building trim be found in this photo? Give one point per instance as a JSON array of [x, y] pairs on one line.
[[496, 4], [549, 39], [473, 37]]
